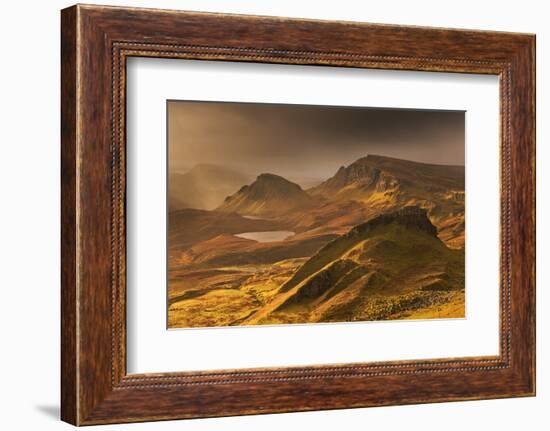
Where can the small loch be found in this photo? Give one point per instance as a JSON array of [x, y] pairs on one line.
[[268, 236]]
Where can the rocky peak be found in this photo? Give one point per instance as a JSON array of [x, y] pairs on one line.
[[362, 173], [270, 178], [273, 185], [268, 195], [409, 216], [358, 173]]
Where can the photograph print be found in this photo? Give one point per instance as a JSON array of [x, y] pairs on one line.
[[302, 214]]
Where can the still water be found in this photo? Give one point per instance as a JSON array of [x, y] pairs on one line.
[[269, 236]]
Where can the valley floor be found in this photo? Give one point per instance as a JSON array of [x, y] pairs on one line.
[[236, 296]]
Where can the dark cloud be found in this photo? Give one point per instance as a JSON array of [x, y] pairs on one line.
[[305, 140]]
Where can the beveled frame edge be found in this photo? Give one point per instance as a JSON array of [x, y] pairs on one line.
[[96, 41]]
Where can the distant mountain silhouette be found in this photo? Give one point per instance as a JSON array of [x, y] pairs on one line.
[[203, 187]]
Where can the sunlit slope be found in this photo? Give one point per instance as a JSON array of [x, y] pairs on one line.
[[385, 183], [384, 267]]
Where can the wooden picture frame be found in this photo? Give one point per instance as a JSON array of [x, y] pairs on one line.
[[95, 43]]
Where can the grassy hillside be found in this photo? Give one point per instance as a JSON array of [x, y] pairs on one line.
[[384, 267], [391, 267]]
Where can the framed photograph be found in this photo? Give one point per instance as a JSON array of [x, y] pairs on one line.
[[266, 215]]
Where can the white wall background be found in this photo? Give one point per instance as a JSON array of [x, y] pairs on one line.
[[29, 216]]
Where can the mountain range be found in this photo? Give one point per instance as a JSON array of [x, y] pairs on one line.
[[383, 238], [384, 183]]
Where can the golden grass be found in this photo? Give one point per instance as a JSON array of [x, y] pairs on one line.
[[394, 273], [453, 309], [221, 307]]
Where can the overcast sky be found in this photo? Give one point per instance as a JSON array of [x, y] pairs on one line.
[[307, 141]]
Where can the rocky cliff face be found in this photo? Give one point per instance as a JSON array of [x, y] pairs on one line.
[[383, 184], [380, 174], [362, 174], [409, 217], [359, 173]]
